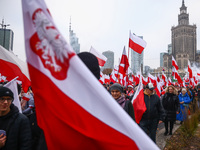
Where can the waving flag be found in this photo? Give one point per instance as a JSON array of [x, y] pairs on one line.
[[12, 66], [136, 43], [101, 58], [190, 70], [124, 64], [174, 63], [138, 102], [87, 119]]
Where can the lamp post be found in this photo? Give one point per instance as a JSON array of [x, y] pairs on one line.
[[3, 26]]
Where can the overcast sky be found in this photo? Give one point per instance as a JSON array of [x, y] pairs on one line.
[[105, 24]]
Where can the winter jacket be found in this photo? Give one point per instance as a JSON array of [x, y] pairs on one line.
[[170, 103], [154, 108], [184, 98], [18, 131], [129, 109]]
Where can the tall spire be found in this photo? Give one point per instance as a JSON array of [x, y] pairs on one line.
[[183, 3]]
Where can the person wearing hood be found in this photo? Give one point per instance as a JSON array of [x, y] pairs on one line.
[[184, 100], [15, 131], [153, 113], [170, 103], [116, 91]]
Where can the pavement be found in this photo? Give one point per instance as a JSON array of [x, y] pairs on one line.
[[160, 138]]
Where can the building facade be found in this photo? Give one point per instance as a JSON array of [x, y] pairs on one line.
[[110, 60], [183, 37], [73, 39], [161, 59], [6, 39], [137, 60]]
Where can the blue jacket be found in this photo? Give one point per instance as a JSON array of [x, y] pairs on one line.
[[186, 99]]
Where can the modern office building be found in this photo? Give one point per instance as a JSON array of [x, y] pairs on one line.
[[161, 59], [6, 38]]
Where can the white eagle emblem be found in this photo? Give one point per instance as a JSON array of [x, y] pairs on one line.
[[53, 46]]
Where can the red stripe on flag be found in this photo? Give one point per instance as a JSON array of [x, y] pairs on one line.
[[62, 118], [139, 105], [174, 64], [136, 47], [11, 70], [101, 61]]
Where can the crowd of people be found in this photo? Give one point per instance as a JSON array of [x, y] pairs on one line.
[[20, 130]]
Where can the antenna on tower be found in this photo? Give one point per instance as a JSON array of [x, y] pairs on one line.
[[3, 26]]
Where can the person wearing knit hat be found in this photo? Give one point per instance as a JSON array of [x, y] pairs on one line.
[[91, 62], [116, 91], [16, 128], [130, 90]]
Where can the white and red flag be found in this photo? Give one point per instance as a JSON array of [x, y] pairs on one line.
[[164, 78], [85, 119], [124, 64], [138, 102], [101, 58], [174, 63], [12, 66], [12, 85], [158, 88], [190, 70], [136, 43]]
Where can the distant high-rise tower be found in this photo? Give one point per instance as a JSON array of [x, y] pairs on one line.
[[110, 60], [73, 40], [184, 45], [137, 60], [6, 37]]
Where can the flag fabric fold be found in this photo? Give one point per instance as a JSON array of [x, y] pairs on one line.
[[12, 66], [190, 70], [88, 119], [174, 63], [124, 64], [138, 102]]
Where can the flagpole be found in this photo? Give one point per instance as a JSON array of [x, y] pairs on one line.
[[11, 80]]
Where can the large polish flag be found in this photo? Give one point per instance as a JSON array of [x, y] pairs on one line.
[[101, 58], [138, 102], [12, 66], [87, 119], [136, 43], [174, 63]]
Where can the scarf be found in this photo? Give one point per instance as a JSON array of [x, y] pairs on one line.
[[121, 100]]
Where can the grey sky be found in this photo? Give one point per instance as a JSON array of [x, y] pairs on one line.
[[105, 24]]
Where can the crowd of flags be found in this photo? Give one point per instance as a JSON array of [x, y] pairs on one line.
[[90, 118]]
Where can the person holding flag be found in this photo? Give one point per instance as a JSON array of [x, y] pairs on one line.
[[153, 113]]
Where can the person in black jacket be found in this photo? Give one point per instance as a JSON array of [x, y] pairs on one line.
[[117, 93], [153, 113], [17, 129], [170, 104]]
